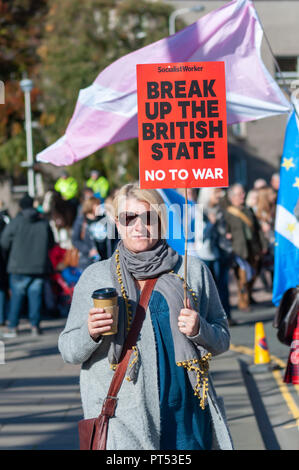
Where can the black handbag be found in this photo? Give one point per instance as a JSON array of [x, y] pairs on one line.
[[285, 319]]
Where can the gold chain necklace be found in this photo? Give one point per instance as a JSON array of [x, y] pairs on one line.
[[123, 292]]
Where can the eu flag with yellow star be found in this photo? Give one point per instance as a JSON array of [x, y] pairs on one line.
[[286, 253]]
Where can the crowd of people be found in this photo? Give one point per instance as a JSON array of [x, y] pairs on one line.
[[45, 248], [47, 245], [238, 235]]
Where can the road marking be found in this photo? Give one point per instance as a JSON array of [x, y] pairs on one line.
[[287, 396], [277, 376], [242, 349], [290, 426]]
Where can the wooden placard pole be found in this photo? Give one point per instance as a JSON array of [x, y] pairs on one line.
[[186, 246]]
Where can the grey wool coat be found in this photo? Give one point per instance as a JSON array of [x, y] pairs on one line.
[[136, 424]]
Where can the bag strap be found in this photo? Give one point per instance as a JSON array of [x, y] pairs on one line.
[[237, 213], [110, 401]]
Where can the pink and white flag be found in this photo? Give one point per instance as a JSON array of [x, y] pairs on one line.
[[106, 111]]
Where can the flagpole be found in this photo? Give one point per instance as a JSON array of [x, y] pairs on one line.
[[186, 245], [285, 85]]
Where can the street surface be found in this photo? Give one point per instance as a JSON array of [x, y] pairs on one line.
[[40, 400]]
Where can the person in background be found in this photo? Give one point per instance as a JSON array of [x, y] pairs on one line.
[[265, 210], [4, 220], [67, 186], [38, 204], [81, 237], [4, 212], [251, 199], [265, 213], [104, 232], [94, 233], [215, 249], [99, 184], [192, 194], [86, 194], [259, 183], [248, 243], [275, 182], [26, 240], [61, 215]]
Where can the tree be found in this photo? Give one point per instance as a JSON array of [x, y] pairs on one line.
[[81, 39], [21, 25]]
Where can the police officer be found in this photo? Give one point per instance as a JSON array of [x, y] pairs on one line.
[[98, 183], [67, 186]]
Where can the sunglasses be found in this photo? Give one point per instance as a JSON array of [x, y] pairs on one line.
[[129, 218]]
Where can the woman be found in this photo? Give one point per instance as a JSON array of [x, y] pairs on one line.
[[247, 243], [91, 233], [81, 238], [265, 211], [157, 407], [265, 214], [252, 199]]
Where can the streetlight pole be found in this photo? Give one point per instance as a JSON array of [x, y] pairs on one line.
[[181, 11], [26, 86]]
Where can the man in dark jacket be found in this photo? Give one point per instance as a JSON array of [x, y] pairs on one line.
[[247, 240], [26, 240]]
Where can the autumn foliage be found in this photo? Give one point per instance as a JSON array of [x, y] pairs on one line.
[[62, 46]]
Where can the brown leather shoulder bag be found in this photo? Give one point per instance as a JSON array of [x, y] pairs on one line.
[[93, 432]]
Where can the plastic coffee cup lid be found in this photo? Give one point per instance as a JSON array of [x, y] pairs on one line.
[[105, 293]]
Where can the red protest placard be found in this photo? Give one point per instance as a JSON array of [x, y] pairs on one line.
[[182, 125]]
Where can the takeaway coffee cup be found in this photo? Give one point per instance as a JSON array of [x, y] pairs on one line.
[[107, 299]]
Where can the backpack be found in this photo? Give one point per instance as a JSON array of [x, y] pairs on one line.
[[285, 319]]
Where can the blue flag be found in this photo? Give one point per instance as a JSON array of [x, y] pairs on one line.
[[286, 253], [175, 237]]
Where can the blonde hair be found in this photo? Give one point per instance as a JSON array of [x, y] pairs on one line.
[[264, 205], [151, 196], [251, 195]]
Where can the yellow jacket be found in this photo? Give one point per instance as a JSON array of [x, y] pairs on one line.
[[101, 186], [67, 187]]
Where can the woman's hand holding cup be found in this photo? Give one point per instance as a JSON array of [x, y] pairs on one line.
[[99, 322], [103, 317]]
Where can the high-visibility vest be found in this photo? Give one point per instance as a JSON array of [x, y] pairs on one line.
[[68, 187], [101, 186]]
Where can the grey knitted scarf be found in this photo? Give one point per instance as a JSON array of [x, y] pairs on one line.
[[157, 262]]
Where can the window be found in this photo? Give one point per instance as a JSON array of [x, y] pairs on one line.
[[289, 66], [239, 130]]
